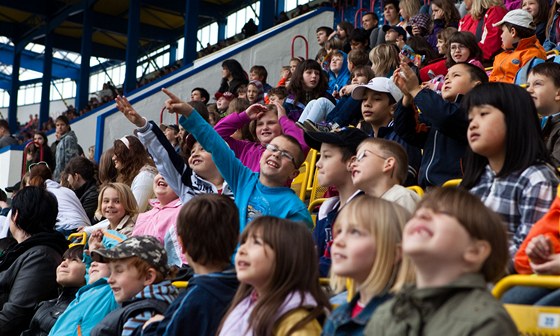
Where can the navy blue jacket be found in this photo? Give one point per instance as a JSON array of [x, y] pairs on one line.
[[199, 309], [341, 322], [444, 141]]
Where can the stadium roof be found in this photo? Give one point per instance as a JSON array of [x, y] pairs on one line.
[[28, 22]]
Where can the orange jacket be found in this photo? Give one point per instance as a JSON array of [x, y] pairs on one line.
[[507, 63], [548, 225]]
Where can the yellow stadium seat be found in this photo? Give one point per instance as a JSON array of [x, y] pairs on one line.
[[317, 191], [417, 189], [452, 183], [299, 184], [180, 284], [531, 320], [311, 160], [553, 52], [312, 205]]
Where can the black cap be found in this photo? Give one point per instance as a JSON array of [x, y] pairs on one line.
[[346, 137], [400, 30]]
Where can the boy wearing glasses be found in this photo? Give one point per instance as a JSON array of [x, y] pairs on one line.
[[380, 169], [337, 149], [256, 194]]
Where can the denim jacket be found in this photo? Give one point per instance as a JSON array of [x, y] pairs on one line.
[[341, 322]]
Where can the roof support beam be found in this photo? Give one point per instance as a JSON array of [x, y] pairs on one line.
[[132, 45], [82, 87]]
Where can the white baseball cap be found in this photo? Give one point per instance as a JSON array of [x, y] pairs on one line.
[[519, 17], [379, 84]]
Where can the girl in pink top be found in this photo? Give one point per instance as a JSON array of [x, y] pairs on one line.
[[269, 122]]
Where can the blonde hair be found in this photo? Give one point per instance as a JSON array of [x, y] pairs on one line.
[[384, 59], [385, 221], [126, 198], [411, 7], [478, 7]]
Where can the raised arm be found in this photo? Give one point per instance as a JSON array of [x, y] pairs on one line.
[[289, 127]]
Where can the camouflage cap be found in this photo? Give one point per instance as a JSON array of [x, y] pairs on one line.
[[147, 248]]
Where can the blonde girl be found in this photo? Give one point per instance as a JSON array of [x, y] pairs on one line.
[[279, 293], [367, 249], [117, 205]]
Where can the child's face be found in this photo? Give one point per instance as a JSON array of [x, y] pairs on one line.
[[272, 98], [390, 13], [196, 96], [97, 271], [340, 32], [71, 272], [405, 15], [437, 12], [125, 280], [336, 64], [200, 161], [285, 73], [322, 37], [487, 131], [162, 190], [61, 128], [332, 170], [531, 6], [368, 22], [459, 52], [254, 262], [353, 250], [38, 138], [457, 81], [359, 78], [368, 166], [252, 93], [311, 78], [277, 168], [222, 104], [391, 35], [293, 66], [268, 127], [507, 38], [430, 235], [544, 93], [254, 76], [376, 109], [111, 206], [357, 45], [225, 72], [170, 135], [440, 45]]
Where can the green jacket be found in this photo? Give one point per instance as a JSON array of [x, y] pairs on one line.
[[464, 307]]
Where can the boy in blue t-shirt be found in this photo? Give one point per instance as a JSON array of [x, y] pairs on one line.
[[256, 194]]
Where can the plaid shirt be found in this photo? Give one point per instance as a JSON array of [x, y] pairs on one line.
[[521, 198]]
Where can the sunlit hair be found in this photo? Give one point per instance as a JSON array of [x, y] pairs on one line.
[[295, 270], [385, 221], [126, 198], [479, 221], [478, 7], [384, 59], [411, 7]]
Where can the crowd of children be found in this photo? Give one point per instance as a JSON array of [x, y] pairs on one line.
[[209, 200]]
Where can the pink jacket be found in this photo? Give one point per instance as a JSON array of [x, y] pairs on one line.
[[157, 221], [250, 152]]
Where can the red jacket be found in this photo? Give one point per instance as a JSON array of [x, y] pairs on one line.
[[438, 67], [507, 64], [490, 41]]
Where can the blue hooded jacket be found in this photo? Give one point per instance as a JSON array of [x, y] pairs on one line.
[[336, 82]]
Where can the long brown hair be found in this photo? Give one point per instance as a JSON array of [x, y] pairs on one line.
[[132, 157], [295, 271]]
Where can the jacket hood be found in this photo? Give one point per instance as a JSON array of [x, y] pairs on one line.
[[220, 285]]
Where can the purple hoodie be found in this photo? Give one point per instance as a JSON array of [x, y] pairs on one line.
[[250, 152]]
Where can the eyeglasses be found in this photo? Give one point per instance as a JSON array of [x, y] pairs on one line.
[[36, 164], [457, 47], [274, 149], [362, 154]]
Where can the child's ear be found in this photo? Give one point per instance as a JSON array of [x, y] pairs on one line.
[[477, 252], [389, 164], [294, 174], [557, 96], [151, 276], [398, 253]]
